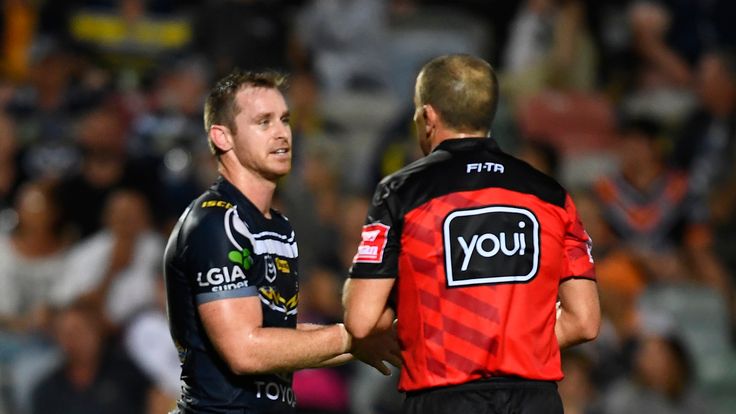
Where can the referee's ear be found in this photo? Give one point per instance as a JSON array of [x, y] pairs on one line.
[[431, 116]]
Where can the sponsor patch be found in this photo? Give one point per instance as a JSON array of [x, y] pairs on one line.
[[372, 244], [275, 392], [488, 245], [479, 167], [216, 203], [282, 265], [222, 278]]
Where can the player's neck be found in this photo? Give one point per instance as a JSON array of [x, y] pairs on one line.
[[259, 190]]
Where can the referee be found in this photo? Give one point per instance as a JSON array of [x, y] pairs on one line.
[[473, 248]]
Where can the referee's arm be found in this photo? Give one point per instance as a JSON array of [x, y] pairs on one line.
[[579, 315], [365, 300], [366, 314]]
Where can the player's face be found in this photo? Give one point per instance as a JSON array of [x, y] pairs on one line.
[[262, 143]]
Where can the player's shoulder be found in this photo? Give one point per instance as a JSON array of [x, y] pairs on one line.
[[280, 219], [212, 201], [208, 212]]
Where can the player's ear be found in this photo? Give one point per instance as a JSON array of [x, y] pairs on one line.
[[221, 137]]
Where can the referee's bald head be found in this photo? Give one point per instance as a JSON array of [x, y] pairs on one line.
[[463, 89]]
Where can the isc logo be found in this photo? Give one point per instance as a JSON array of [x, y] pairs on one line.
[[494, 244]]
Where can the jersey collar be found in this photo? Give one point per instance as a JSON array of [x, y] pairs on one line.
[[468, 144], [241, 201]]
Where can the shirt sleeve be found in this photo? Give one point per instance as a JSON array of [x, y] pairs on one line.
[[219, 257], [378, 252], [578, 246]]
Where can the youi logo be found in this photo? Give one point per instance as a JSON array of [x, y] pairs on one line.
[[493, 244]]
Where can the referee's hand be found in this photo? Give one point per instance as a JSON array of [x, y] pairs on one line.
[[380, 346]]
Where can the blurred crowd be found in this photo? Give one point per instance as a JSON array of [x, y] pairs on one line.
[[630, 104]]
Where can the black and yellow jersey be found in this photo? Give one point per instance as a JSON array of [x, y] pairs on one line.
[[223, 247]]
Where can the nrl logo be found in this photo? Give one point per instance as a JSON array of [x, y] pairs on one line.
[[270, 268]]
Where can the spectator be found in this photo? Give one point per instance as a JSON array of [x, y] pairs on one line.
[[20, 24], [171, 116], [663, 376], [231, 33], [651, 208], [577, 389], [115, 267], [127, 35], [148, 342], [667, 39], [549, 45], [650, 24], [347, 39], [167, 130], [11, 175], [105, 167], [396, 148], [44, 109], [95, 377], [30, 259], [541, 155], [312, 200], [647, 204], [621, 280], [706, 147]]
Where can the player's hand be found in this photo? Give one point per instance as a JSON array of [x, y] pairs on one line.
[[380, 346]]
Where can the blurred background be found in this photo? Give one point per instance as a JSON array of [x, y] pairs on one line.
[[630, 104]]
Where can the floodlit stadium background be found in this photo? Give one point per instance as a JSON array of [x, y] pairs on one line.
[[631, 105]]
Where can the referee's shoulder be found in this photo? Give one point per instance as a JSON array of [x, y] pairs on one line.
[[547, 186], [395, 180]]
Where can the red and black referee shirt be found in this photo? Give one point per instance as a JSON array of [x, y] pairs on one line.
[[479, 242]]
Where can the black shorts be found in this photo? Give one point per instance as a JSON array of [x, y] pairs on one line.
[[495, 396]]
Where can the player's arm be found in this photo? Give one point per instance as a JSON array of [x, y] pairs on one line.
[[579, 315], [219, 262], [234, 326], [332, 362]]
